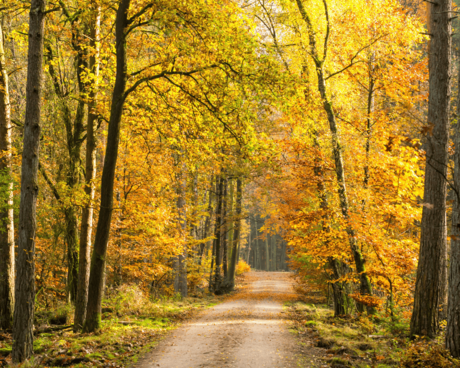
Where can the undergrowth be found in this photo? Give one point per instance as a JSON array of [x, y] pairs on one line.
[[380, 341], [132, 323]]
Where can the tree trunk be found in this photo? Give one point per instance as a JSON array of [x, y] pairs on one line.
[[207, 224], [283, 255], [180, 278], [71, 239], [217, 279], [430, 283], [274, 255], [6, 212], [25, 278], [365, 283], [87, 212], [224, 230], [453, 306], [338, 288], [267, 253], [249, 241], [255, 255], [93, 312], [230, 222], [236, 237]]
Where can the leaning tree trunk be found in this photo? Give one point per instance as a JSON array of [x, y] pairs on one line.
[[96, 280], [25, 277], [365, 283], [430, 282], [6, 212], [453, 305], [87, 212]]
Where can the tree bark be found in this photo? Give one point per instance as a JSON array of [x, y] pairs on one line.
[[236, 234], [224, 241], [430, 282], [267, 253], [6, 212], [453, 305], [217, 278], [249, 241], [256, 245], [90, 165], [25, 278], [180, 278], [98, 259], [207, 223]]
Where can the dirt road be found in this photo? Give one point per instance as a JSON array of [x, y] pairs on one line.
[[248, 330]]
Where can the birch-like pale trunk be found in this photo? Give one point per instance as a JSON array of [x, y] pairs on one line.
[[6, 213], [90, 175]]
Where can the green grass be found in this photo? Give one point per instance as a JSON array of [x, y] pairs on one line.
[[145, 323]]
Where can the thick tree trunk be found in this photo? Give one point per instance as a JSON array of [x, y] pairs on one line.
[[6, 212], [274, 255], [430, 283], [236, 234], [453, 306], [87, 212], [93, 312], [25, 277]]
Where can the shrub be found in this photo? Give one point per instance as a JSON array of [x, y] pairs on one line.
[[424, 355], [242, 267]]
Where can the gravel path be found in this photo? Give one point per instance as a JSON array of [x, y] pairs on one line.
[[248, 330]]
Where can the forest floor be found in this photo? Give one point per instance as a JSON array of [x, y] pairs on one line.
[[267, 322], [249, 329]]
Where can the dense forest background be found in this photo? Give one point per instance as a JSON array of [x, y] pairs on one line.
[[171, 144]]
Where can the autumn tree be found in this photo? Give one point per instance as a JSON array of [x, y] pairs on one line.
[[7, 272], [431, 279], [25, 285]]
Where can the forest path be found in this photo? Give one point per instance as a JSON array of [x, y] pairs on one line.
[[247, 330]]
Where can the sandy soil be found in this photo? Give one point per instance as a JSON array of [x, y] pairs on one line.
[[248, 330]]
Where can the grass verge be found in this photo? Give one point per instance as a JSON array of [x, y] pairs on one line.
[[363, 341], [131, 326]]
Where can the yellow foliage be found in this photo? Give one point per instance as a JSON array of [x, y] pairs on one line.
[[242, 267]]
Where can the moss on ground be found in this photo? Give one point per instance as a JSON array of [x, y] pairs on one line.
[[126, 334]]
